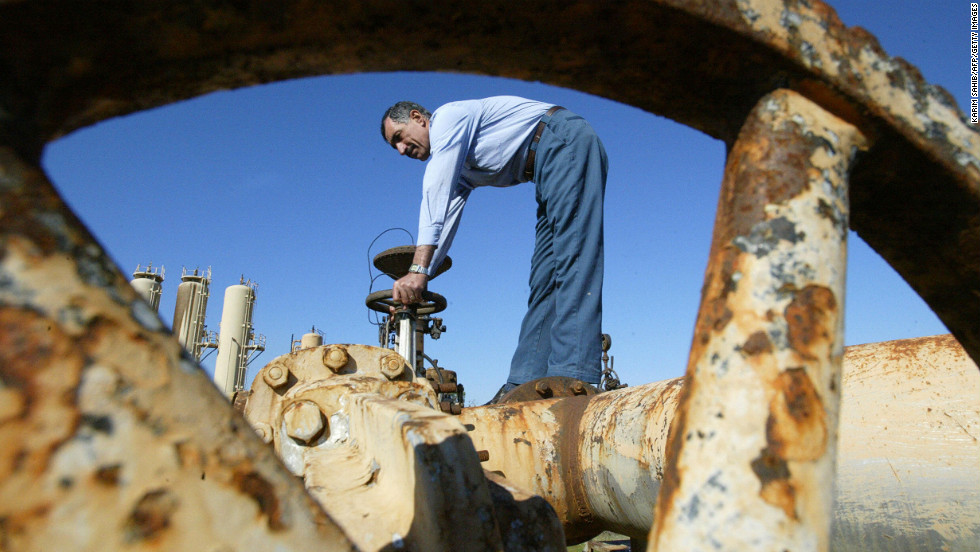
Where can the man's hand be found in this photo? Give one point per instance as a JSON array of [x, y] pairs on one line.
[[408, 289]]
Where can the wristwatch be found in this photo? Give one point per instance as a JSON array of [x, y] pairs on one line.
[[418, 269]]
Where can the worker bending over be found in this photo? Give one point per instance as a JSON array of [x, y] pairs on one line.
[[503, 141]]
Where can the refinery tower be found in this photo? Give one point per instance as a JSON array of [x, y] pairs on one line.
[[236, 342]]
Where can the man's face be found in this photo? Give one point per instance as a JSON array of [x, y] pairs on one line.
[[410, 138]]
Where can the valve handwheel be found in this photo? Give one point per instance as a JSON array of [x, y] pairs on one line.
[[381, 301]]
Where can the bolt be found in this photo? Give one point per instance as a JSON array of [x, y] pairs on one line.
[[303, 420], [264, 432], [446, 387], [392, 366], [543, 388], [335, 357], [578, 388], [276, 375], [450, 407]]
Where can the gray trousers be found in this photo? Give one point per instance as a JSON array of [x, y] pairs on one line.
[[562, 331]]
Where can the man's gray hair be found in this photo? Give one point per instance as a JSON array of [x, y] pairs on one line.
[[399, 112]]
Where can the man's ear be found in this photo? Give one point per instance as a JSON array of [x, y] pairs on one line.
[[417, 116]]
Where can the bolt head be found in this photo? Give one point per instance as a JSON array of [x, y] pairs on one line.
[[264, 431], [392, 366], [276, 375], [543, 388], [578, 388], [335, 357], [303, 420]]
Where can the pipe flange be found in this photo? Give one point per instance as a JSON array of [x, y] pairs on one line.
[[549, 387]]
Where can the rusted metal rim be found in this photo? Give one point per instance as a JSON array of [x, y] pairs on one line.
[[675, 58]]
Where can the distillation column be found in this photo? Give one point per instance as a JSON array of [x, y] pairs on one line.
[[235, 340], [190, 311], [149, 284]]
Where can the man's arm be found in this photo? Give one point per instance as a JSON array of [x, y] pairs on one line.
[[444, 191], [408, 289]]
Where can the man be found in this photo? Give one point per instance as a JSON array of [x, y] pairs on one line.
[[503, 141]]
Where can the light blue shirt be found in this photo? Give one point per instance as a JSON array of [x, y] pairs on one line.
[[472, 143]]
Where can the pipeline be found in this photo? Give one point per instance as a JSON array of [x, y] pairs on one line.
[[907, 456]]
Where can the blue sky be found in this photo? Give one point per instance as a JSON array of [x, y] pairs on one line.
[[288, 184]]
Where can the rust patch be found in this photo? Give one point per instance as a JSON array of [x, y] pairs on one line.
[[108, 475], [240, 399], [32, 350], [797, 425], [774, 475], [757, 343], [28, 342], [568, 413], [719, 283], [806, 316], [18, 525], [764, 167], [796, 431], [827, 211], [188, 454], [264, 494], [722, 316], [26, 195], [152, 514], [714, 317]]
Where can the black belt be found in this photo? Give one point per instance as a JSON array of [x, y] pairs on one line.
[[529, 166]]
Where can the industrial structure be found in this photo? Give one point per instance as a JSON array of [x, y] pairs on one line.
[[237, 342], [191, 310], [775, 439], [309, 340], [148, 283], [599, 459]]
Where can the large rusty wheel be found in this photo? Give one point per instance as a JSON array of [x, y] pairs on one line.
[[676, 58], [77, 346]]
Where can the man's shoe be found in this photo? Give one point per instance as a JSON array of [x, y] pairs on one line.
[[504, 389]]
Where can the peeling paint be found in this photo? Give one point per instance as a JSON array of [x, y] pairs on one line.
[[784, 336]]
